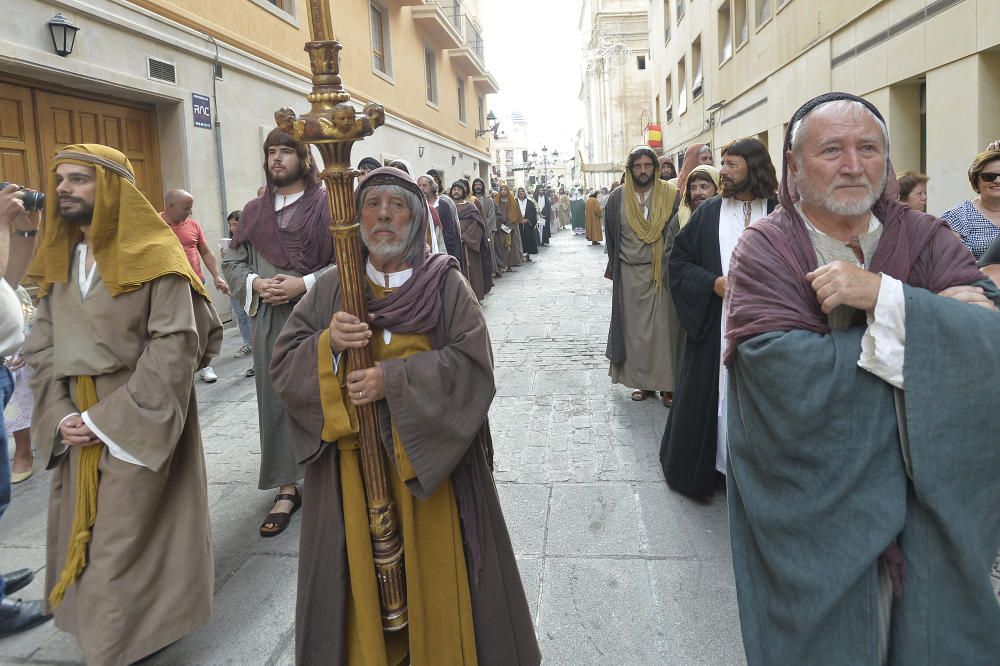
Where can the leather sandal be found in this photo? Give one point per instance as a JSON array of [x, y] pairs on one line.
[[668, 398], [641, 395], [280, 521]]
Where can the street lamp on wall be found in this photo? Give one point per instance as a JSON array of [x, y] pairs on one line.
[[493, 126], [420, 151], [63, 34]]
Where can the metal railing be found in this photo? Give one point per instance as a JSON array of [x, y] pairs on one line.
[[474, 39], [453, 10]]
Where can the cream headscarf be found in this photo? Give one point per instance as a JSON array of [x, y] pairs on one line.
[[662, 196]]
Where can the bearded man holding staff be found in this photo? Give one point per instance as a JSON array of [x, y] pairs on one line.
[[863, 461], [433, 385], [122, 325]]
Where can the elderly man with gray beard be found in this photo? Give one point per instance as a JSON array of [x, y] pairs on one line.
[[863, 461], [432, 384]]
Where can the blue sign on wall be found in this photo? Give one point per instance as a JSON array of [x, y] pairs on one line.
[[202, 107]]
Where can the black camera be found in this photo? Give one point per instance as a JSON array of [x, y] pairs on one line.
[[32, 200]]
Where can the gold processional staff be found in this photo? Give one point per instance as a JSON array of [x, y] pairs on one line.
[[333, 126]]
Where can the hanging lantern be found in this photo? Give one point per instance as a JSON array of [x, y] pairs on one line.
[[63, 34]]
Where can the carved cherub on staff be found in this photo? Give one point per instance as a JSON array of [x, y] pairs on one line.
[[347, 124]]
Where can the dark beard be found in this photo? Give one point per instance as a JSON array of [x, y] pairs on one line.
[[641, 180], [729, 191], [478, 193], [81, 218], [288, 179]]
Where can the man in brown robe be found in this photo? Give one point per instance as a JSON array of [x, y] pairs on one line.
[[509, 216], [433, 385], [478, 265], [644, 325], [122, 325]]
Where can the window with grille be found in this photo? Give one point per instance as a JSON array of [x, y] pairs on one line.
[[380, 39], [430, 75], [682, 90], [669, 91], [461, 100], [763, 11], [725, 31], [696, 76], [741, 22]]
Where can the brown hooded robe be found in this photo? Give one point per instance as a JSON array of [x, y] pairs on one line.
[[437, 402]]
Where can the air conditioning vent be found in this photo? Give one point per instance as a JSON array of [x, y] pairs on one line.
[[160, 70]]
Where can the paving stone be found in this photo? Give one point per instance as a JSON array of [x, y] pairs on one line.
[[598, 611], [252, 618], [593, 520], [526, 509], [692, 595]]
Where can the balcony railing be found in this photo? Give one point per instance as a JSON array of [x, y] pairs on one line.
[[474, 39], [452, 9]]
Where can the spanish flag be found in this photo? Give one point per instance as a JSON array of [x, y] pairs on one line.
[[654, 136]]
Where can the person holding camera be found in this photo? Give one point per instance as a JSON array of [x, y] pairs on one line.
[[18, 229]]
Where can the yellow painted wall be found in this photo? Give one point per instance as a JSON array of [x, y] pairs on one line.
[[246, 25]]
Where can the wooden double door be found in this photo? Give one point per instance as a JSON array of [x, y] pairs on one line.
[[35, 124]]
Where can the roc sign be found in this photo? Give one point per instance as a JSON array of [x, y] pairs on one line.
[[202, 107]]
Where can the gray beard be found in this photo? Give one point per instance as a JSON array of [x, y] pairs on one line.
[[826, 201]]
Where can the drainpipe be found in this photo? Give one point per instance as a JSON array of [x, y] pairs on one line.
[[217, 124]]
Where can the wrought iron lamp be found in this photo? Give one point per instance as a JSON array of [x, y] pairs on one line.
[[493, 126]]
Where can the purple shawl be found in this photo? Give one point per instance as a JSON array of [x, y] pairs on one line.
[[305, 245], [768, 290], [416, 306]]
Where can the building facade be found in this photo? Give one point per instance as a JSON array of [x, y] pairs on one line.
[[726, 69], [188, 89], [615, 85]]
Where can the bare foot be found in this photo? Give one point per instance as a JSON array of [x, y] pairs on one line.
[[23, 458]]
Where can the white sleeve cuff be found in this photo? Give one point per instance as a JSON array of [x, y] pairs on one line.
[[248, 301], [884, 343], [63, 420], [309, 281], [113, 449]]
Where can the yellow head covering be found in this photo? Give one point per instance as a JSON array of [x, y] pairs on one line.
[[131, 243], [661, 204]]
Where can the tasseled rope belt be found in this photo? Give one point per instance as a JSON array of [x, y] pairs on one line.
[[85, 507]]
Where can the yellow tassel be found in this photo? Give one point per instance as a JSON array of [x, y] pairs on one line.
[[85, 512]]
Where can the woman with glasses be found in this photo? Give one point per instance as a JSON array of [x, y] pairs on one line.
[[977, 221]]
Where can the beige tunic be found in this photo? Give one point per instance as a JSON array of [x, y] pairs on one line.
[[149, 577], [649, 320]]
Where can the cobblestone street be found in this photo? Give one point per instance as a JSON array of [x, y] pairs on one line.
[[618, 569]]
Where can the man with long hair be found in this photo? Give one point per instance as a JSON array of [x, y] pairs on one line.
[[693, 449], [637, 221], [281, 246]]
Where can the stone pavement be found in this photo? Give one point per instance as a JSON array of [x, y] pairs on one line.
[[617, 568]]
